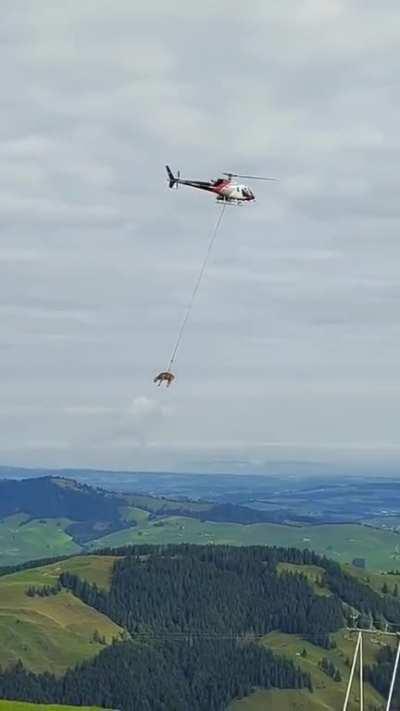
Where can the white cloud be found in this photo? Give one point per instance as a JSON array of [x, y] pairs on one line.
[[143, 407], [294, 336]]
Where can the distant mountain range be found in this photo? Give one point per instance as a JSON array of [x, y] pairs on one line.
[[323, 499], [93, 508]]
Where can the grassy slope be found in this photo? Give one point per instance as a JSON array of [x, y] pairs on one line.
[[380, 548], [313, 573], [54, 632], [278, 700], [94, 569], [327, 695], [131, 514], [374, 580], [22, 540], [23, 706]]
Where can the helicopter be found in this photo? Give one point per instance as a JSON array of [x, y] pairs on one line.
[[227, 190]]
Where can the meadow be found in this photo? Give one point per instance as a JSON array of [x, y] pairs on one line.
[[57, 631], [342, 542], [327, 694], [22, 539]]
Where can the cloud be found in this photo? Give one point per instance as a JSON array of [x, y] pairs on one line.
[[294, 336], [123, 429], [143, 408]]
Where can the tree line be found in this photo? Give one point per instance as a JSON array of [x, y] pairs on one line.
[[380, 674], [43, 590], [374, 607]]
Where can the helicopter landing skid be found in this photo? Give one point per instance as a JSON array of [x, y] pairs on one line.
[[228, 201]]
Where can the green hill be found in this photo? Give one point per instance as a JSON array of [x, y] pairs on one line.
[[156, 593], [281, 700], [327, 695], [52, 516], [58, 631], [22, 539]]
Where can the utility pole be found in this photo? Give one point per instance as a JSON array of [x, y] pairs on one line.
[[358, 652], [392, 683]]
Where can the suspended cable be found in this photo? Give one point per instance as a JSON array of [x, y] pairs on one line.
[[233, 635], [196, 287]]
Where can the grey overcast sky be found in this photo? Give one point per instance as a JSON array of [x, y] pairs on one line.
[[292, 350]]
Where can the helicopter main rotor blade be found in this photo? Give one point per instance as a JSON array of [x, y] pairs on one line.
[[252, 177]]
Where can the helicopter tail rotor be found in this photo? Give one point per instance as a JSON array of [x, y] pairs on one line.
[[173, 181]]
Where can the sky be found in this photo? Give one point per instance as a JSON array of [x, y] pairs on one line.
[[291, 352]]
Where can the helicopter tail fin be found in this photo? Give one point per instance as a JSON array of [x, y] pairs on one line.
[[171, 178]]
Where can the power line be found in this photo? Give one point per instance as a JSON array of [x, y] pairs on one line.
[[248, 636]]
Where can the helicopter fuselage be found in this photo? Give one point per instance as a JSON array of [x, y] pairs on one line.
[[224, 189]]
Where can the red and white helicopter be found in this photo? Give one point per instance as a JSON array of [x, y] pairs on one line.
[[226, 189]]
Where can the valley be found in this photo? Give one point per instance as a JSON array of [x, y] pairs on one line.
[[50, 517], [342, 542]]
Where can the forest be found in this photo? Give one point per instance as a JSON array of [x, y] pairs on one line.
[[201, 674], [192, 616], [380, 675], [210, 589]]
